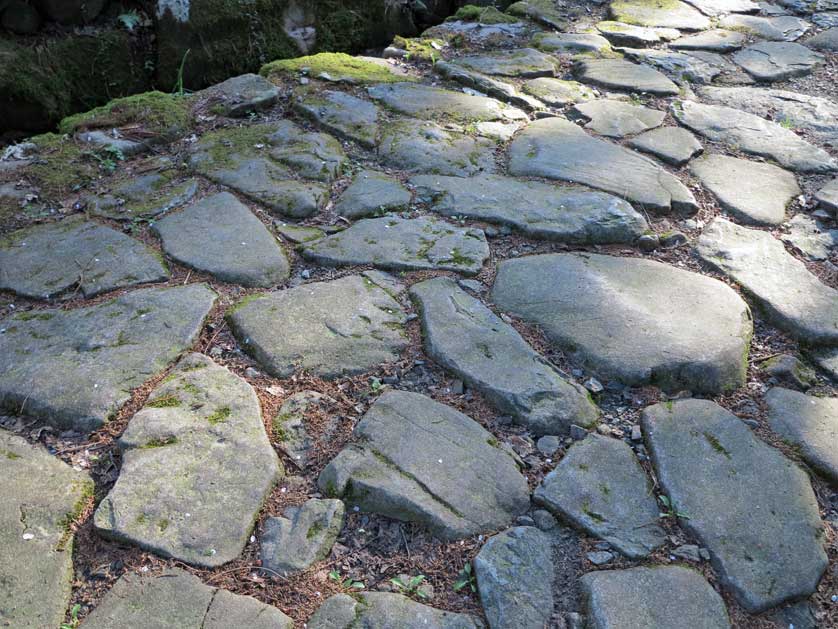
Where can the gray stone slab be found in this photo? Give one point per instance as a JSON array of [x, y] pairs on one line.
[[370, 193], [525, 63], [302, 537], [331, 329], [622, 34], [424, 101], [468, 339], [504, 91], [827, 360], [556, 92], [673, 145], [315, 156], [694, 67], [417, 460], [633, 320], [75, 368], [777, 61], [791, 297], [779, 28], [715, 40], [810, 237], [383, 609], [290, 427], [39, 497], [173, 499], [619, 74], [220, 236], [669, 14], [571, 43], [826, 41], [752, 508], [828, 19], [240, 95], [143, 196], [546, 13], [618, 119], [74, 255], [345, 115], [827, 197], [539, 210], [556, 148], [600, 487], [720, 7]]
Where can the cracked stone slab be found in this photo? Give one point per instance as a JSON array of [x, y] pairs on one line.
[[466, 338], [57, 259], [74, 368], [557, 92], [696, 66], [542, 11], [666, 14], [812, 238], [752, 508], [525, 63], [316, 156], [345, 115], [506, 92], [715, 40], [417, 460], [173, 499], [240, 95], [600, 487], [619, 74], [383, 609], [290, 428], [791, 297], [715, 8], [827, 197], [827, 360], [143, 196], [633, 320], [754, 135], [372, 192], [342, 327], [404, 244], [780, 28], [425, 147], [221, 236], [571, 43], [622, 34], [808, 422], [753, 192], [175, 599], [515, 578], [617, 119], [303, 536], [39, 495], [777, 61], [660, 597], [556, 148], [424, 101], [672, 145], [562, 213]]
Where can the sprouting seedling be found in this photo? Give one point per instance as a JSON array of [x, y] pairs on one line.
[[671, 511], [347, 583], [74, 618], [466, 579], [411, 587]]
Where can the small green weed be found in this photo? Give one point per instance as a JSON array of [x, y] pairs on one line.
[[671, 511], [347, 583], [74, 618], [412, 587], [466, 579]]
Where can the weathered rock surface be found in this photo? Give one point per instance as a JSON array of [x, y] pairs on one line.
[[637, 321], [289, 426], [600, 487], [617, 119], [667, 14], [558, 149], [525, 63], [404, 244], [753, 192], [556, 92], [780, 28], [40, 496], [73, 368], [827, 197], [424, 101], [653, 598], [721, 7], [417, 460], [694, 67], [809, 423], [619, 74], [372, 192], [51, 260], [220, 236], [143, 196], [570, 43], [539, 210], [792, 297], [622, 34], [241, 95], [383, 609], [485, 84], [468, 339], [826, 40], [345, 326], [827, 359], [515, 576], [812, 238], [752, 508], [540, 11], [175, 599], [777, 61], [715, 40], [343, 114], [754, 135], [673, 145], [173, 499], [303, 536]]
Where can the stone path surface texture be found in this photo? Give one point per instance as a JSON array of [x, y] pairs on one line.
[[530, 321]]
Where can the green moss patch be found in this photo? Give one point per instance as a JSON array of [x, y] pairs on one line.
[[484, 15], [337, 65], [170, 400], [221, 414]]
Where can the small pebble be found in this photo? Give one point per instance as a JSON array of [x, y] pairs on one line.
[[577, 433], [544, 519], [594, 386], [648, 243], [636, 435], [600, 557], [548, 444]]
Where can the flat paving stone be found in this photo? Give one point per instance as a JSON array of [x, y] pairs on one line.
[[619, 74], [385, 610], [618, 119], [404, 244], [425, 147], [173, 499], [75, 368], [515, 578], [715, 40], [827, 360], [672, 145], [808, 422], [777, 61], [466, 338], [525, 63], [791, 297], [633, 320], [331, 329], [825, 41], [827, 197], [546, 13], [600, 487], [622, 34], [316, 156], [662, 13], [659, 597], [176, 599], [220, 236], [74, 255], [501, 90], [714, 8], [372, 192], [753, 192], [556, 148], [754, 135], [557, 92], [393, 468], [779, 28], [694, 67], [143, 196], [810, 237], [571, 43], [345, 115], [752, 508], [562, 213], [240, 95], [39, 496], [424, 101], [827, 19]]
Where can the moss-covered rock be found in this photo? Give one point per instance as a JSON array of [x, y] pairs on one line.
[[337, 66]]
